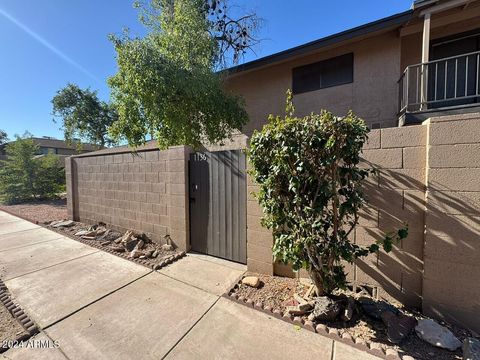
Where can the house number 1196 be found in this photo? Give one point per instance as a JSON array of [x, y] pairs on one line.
[[200, 157]]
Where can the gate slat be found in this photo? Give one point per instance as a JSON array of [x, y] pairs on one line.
[[219, 204]]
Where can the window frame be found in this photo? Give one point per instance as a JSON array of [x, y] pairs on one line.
[[320, 65]]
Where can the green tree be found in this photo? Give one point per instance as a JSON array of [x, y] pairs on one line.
[[166, 86], [234, 32], [3, 137], [25, 177], [83, 115], [311, 192]]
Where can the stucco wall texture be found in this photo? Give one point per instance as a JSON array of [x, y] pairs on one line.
[[429, 178], [376, 68]]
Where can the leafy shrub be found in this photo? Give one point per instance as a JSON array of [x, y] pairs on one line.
[[311, 191], [25, 177]]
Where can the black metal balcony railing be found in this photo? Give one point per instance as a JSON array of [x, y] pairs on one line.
[[447, 82]]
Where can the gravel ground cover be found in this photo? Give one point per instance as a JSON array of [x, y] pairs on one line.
[[39, 211]]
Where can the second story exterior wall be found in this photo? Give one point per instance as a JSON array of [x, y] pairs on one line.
[[372, 95]]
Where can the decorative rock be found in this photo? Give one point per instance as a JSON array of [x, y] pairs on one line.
[[100, 231], [332, 331], [149, 253], [135, 254], [436, 334], [65, 223], [392, 354], [376, 348], [118, 248], [321, 328], [277, 312], [360, 341], [299, 299], [252, 281], [130, 244], [299, 309], [398, 326], [325, 309], [287, 316], [471, 349], [297, 320], [348, 312], [104, 234], [374, 309], [309, 325], [167, 247]]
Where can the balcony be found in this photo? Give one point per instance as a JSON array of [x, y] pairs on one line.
[[445, 84]]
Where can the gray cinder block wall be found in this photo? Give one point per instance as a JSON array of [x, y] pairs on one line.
[[146, 191]]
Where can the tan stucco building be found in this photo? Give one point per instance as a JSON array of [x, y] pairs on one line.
[[414, 77], [382, 52]]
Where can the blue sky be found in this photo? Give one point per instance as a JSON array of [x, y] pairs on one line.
[[46, 44]]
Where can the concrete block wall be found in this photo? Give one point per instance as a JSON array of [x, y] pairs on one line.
[[396, 196], [146, 191], [428, 177], [259, 239], [451, 284]]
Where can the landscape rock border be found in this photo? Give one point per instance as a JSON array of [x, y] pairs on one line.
[[18, 314], [94, 243], [330, 332], [157, 266]]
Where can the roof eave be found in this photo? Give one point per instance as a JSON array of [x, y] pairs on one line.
[[385, 23]]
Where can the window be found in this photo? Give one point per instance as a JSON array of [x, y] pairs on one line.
[[45, 150], [323, 74]]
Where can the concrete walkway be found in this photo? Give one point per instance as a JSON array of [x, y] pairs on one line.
[[95, 305]]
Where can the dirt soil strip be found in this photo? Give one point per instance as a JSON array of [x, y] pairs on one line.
[[15, 324]]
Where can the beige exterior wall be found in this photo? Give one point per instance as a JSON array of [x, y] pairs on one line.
[[451, 287], [146, 191], [379, 61], [372, 95], [259, 239], [396, 197]]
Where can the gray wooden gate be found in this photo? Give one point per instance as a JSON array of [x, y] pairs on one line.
[[218, 202]]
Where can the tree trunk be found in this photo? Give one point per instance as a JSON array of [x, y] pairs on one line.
[[317, 281]]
